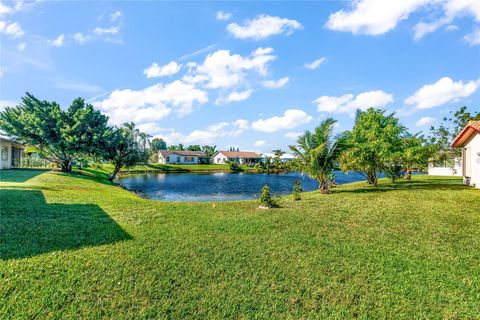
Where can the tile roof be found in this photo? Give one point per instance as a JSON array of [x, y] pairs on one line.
[[471, 128]]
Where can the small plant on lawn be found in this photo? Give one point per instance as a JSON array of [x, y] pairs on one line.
[[297, 189], [234, 166], [266, 198]]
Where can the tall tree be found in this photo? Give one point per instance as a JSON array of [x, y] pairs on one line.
[[194, 147], [416, 153], [122, 150], [157, 144], [318, 153], [61, 136], [375, 141], [209, 150]]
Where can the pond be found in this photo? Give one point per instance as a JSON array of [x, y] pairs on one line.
[[220, 186]]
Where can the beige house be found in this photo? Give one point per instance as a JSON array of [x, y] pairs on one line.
[[241, 157], [182, 157], [469, 141], [10, 153]]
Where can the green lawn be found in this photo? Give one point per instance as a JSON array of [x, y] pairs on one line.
[[73, 246]]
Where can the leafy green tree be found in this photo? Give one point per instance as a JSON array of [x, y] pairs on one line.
[[318, 153], [194, 147], [209, 150], [158, 144], [297, 189], [266, 198], [60, 136], [415, 154], [376, 141], [122, 150]]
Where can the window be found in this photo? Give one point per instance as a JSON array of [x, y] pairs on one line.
[[4, 153], [168, 159], [188, 159], [178, 159]]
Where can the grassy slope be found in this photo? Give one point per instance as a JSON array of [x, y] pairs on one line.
[[72, 245]]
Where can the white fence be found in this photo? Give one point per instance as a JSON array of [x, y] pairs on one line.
[[451, 167]]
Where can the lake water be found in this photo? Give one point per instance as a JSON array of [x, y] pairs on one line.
[[220, 186]]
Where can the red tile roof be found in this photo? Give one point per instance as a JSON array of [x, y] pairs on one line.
[[471, 128]]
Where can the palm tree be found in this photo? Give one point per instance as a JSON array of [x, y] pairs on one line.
[[144, 139], [319, 151]]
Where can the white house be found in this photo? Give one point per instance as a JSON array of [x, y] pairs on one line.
[[448, 168], [182, 157], [469, 141], [241, 157], [10, 153], [284, 157]]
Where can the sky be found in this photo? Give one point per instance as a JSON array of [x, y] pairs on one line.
[[252, 75]]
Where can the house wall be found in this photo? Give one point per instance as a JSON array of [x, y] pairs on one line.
[[474, 160], [176, 159], [446, 171], [5, 155], [219, 158]]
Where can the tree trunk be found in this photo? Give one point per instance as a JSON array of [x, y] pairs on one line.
[[324, 188], [114, 173], [66, 166], [408, 175]]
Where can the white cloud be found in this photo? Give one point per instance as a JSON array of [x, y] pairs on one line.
[[152, 103], [424, 121], [115, 16], [443, 91], [156, 71], [293, 135], [315, 64], [451, 27], [235, 96], [259, 143], [58, 42], [22, 46], [223, 16], [263, 26], [208, 135], [290, 119], [473, 38], [221, 69], [81, 38], [102, 31], [12, 29], [275, 84], [4, 10], [6, 103], [348, 103], [372, 17], [76, 85], [376, 17], [241, 124]]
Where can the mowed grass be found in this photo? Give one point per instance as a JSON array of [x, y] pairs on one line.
[[73, 246]]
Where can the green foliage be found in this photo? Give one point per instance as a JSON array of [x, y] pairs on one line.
[[266, 198], [416, 153], [376, 142], [122, 149], [297, 189], [441, 137], [194, 147], [318, 153], [234, 166], [209, 150], [157, 144], [61, 136]]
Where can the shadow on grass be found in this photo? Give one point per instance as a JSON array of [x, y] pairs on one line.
[[426, 184], [30, 226], [20, 175]]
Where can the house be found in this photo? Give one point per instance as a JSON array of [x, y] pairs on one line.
[[283, 158], [182, 157], [469, 141], [446, 168], [241, 157], [10, 153]]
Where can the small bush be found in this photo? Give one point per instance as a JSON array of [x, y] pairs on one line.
[[266, 199], [297, 189], [234, 166]]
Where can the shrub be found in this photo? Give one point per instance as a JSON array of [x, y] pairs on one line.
[[234, 166], [297, 189], [266, 199], [394, 172]]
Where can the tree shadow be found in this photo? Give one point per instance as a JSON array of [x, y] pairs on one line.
[[425, 184], [20, 175], [30, 226]]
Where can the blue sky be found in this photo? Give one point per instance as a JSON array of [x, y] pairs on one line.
[[246, 74]]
